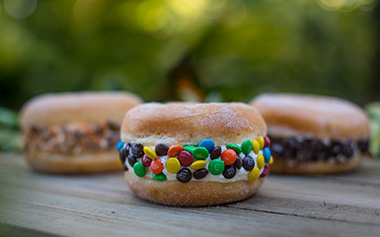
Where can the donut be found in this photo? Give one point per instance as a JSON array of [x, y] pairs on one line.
[[314, 134], [184, 154], [74, 132]]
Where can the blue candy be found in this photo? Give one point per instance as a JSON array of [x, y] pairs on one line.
[[208, 144], [119, 145], [266, 154]]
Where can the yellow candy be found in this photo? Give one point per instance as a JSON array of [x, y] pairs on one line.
[[149, 152], [271, 160], [173, 165], [261, 142], [260, 161], [199, 164], [253, 174], [121, 163], [255, 146]]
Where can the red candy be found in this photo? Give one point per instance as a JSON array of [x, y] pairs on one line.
[[156, 166], [266, 142], [228, 157], [174, 150], [265, 171], [146, 160], [185, 158]]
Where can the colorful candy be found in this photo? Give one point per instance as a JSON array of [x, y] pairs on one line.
[[199, 164], [161, 149], [200, 153], [246, 147], [261, 142], [173, 165], [260, 161], [208, 144], [131, 160], [271, 160], [185, 158], [156, 166], [267, 154], [137, 150], [229, 171], [174, 150], [159, 177], [215, 153], [234, 147], [265, 171], [238, 163], [119, 145], [150, 153], [266, 142], [248, 163], [229, 157], [146, 161], [123, 153], [189, 148], [216, 167], [200, 174], [253, 174], [184, 175], [139, 169], [255, 146]]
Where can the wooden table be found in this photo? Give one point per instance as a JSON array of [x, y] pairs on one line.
[[34, 204]]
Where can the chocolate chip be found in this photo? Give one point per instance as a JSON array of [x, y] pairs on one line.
[[184, 175], [137, 150], [162, 149], [248, 163], [131, 160], [200, 174], [215, 153], [229, 171], [238, 163]]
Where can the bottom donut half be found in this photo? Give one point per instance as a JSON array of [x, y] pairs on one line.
[[74, 164], [314, 167], [193, 193]]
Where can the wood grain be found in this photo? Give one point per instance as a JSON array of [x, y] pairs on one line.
[[34, 204]]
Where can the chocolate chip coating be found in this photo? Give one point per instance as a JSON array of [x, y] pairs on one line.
[[229, 171], [184, 175], [248, 163], [137, 150], [200, 174], [161, 149], [215, 153]]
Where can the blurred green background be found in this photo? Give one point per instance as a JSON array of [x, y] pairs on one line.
[[205, 50]]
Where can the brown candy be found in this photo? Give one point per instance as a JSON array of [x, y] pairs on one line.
[[215, 153], [137, 150], [131, 160], [200, 174], [161, 149], [229, 171], [238, 163], [184, 175], [248, 163]]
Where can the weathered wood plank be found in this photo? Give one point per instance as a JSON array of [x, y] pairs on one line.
[[285, 205]]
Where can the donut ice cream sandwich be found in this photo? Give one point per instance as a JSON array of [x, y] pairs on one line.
[[314, 134], [74, 132], [194, 154]]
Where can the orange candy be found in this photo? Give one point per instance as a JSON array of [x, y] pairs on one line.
[[228, 157], [174, 150], [156, 166]]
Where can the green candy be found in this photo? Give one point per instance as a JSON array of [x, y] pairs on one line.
[[216, 167], [246, 147], [159, 177], [189, 148], [139, 169], [200, 153], [234, 147]]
